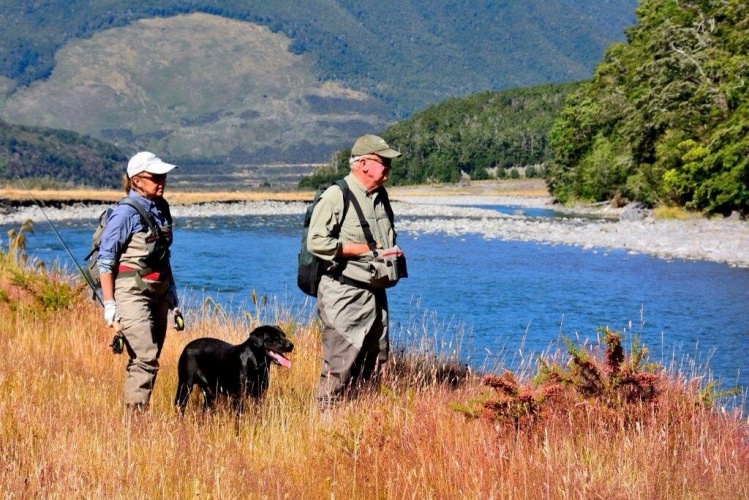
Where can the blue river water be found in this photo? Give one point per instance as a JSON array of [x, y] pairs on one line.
[[494, 303]]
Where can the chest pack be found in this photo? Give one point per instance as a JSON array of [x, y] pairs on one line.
[[91, 269], [310, 267]]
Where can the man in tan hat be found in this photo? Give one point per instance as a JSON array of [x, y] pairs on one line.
[[351, 299]]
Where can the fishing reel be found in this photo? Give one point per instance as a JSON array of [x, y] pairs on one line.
[[118, 343], [179, 321]]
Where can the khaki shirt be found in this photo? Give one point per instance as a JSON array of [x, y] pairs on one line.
[[326, 222]]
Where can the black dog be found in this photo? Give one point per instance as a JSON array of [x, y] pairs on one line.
[[238, 371]]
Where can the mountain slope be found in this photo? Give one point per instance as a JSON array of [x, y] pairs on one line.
[[250, 83], [486, 132], [410, 53], [198, 89]]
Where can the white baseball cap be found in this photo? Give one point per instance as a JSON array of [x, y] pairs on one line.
[[147, 162]]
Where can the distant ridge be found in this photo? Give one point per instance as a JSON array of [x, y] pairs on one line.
[[262, 82], [57, 158]]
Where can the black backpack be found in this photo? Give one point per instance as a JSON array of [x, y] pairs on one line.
[[91, 271], [311, 268]]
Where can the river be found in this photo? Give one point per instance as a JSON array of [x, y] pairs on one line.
[[493, 302]]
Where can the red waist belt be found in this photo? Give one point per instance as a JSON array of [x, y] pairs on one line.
[[153, 276]]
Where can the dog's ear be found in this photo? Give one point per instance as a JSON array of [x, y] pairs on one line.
[[256, 338], [265, 332]]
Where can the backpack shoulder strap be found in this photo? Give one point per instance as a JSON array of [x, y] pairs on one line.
[[163, 207], [341, 183], [141, 211], [363, 221]]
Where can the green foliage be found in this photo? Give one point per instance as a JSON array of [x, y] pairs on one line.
[[533, 172], [480, 132], [338, 168], [710, 394], [664, 119], [50, 291], [55, 158], [488, 130], [409, 54]]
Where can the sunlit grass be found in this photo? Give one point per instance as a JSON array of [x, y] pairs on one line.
[[65, 432], [505, 187], [673, 213]]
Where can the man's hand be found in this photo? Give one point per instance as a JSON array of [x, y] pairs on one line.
[[111, 314], [396, 251]]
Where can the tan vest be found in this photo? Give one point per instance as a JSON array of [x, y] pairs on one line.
[[365, 268], [148, 252]]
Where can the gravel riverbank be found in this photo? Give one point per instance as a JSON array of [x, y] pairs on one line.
[[718, 240]]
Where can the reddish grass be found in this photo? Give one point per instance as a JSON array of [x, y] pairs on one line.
[[599, 423]]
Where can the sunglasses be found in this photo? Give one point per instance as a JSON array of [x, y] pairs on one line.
[[154, 177], [377, 159]]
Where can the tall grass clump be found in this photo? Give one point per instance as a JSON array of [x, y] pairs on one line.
[[592, 423], [672, 213]]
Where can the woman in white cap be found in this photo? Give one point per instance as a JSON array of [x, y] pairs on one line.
[[138, 288]]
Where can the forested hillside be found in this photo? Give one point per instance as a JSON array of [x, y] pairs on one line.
[[486, 131], [57, 158], [408, 53], [666, 117]]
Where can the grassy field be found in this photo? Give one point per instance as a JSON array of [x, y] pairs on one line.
[[593, 423], [523, 188]]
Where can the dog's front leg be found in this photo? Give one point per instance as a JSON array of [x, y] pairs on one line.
[[244, 392], [183, 395]]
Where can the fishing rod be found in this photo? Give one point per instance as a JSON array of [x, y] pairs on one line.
[[118, 341], [80, 269]]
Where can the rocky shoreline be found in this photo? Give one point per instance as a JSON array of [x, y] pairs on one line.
[[634, 230], [724, 240]]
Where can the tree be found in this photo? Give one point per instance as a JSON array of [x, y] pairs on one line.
[[664, 118]]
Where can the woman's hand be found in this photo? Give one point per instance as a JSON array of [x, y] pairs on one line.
[[111, 314]]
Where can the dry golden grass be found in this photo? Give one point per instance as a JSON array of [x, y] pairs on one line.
[[521, 188], [174, 197], [65, 434], [527, 188], [674, 213]]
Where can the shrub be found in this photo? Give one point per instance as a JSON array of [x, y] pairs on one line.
[[613, 384]]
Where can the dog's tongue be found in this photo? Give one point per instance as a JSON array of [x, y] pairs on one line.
[[278, 358]]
